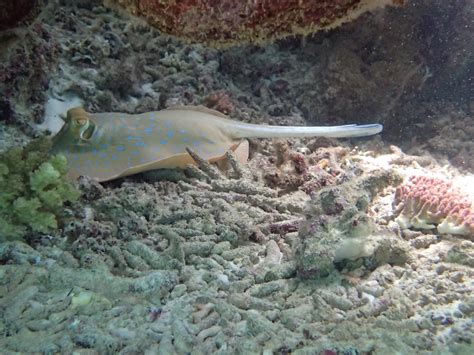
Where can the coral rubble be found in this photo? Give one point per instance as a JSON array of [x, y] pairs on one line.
[[425, 203], [230, 22], [337, 228], [200, 265]]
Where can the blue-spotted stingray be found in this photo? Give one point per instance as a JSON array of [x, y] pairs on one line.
[[106, 146]]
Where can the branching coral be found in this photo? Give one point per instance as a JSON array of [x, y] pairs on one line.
[[230, 22], [426, 203], [32, 190]]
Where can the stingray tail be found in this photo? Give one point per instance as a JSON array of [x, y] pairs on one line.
[[247, 130]]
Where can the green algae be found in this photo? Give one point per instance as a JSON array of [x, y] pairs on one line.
[[33, 190]]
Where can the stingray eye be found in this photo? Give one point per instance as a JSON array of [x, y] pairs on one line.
[[87, 131]]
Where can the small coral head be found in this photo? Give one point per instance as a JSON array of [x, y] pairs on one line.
[[425, 202]]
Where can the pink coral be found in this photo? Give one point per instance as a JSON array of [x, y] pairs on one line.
[[426, 203]]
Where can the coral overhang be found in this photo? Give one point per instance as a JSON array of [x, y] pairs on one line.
[[232, 22], [426, 203]]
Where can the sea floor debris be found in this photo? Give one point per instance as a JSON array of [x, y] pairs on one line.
[[298, 251], [211, 265]]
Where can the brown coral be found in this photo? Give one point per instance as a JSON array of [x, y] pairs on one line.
[[12, 12], [219, 101], [425, 202], [229, 22]]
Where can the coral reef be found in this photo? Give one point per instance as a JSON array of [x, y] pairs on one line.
[[230, 22], [200, 265], [33, 190], [453, 139], [128, 67], [307, 168], [209, 262], [425, 203], [219, 101], [12, 12], [28, 54], [337, 228]]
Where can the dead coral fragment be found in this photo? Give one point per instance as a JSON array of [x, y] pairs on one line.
[[232, 22], [426, 203], [219, 101], [32, 190]]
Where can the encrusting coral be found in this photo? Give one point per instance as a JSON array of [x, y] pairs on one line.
[[426, 203], [32, 190], [337, 229], [231, 22]]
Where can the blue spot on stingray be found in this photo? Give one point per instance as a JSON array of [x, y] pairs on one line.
[[163, 141], [140, 144], [114, 157], [104, 146], [106, 162], [196, 143], [135, 152], [142, 160], [103, 155], [170, 134], [149, 130], [94, 151], [182, 131], [120, 148], [185, 140], [131, 138]]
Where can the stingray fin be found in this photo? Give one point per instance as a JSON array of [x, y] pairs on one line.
[[241, 151], [199, 108]]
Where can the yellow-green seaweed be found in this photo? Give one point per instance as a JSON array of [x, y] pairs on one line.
[[32, 190]]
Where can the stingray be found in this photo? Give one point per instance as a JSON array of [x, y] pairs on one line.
[[106, 146]]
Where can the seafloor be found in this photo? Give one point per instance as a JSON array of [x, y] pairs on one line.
[[295, 252]]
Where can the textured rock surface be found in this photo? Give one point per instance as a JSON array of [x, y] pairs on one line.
[[231, 22], [12, 12], [28, 54], [215, 265]]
